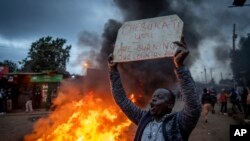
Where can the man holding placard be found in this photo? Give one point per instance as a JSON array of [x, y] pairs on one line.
[[158, 123]]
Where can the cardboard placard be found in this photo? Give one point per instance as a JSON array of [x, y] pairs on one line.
[[148, 39]]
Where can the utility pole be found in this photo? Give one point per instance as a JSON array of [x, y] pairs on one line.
[[205, 73], [201, 76], [234, 38], [233, 54], [211, 74], [221, 76]]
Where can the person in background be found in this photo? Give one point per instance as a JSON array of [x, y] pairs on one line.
[[213, 95], [9, 99], [1, 101], [235, 100], [53, 97], [28, 104], [4, 101], [246, 103], [206, 103], [223, 100]]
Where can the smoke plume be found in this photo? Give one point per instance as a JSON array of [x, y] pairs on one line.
[[146, 76], [89, 39], [200, 24]]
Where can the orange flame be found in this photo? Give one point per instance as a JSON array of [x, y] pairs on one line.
[[87, 119]]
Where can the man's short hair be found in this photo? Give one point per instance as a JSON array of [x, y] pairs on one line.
[[170, 94]]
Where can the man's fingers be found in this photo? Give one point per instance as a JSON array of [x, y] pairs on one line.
[[180, 44], [181, 54], [180, 49], [110, 58], [177, 52]]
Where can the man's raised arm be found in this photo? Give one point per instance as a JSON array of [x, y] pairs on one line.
[[133, 112], [190, 114]]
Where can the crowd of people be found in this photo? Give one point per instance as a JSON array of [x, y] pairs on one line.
[[239, 99]]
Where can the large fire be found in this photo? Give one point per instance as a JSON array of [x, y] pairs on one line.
[[90, 118]]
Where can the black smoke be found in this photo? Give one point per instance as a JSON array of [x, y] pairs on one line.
[[222, 54], [202, 21], [89, 44], [140, 77], [141, 9], [109, 37], [90, 40]]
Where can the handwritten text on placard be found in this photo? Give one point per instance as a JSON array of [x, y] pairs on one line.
[[148, 39]]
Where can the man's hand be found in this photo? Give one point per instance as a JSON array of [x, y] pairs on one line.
[[112, 65], [181, 53]]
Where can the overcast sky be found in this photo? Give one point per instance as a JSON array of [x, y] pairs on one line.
[[24, 21]]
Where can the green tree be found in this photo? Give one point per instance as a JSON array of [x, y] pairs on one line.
[[12, 66], [47, 54]]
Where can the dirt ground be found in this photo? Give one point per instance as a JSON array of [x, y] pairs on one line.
[[14, 126], [217, 128]]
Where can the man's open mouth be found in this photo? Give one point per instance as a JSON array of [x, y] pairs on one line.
[[152, 107]]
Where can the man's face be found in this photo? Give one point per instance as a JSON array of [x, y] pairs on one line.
[[159, 103]]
